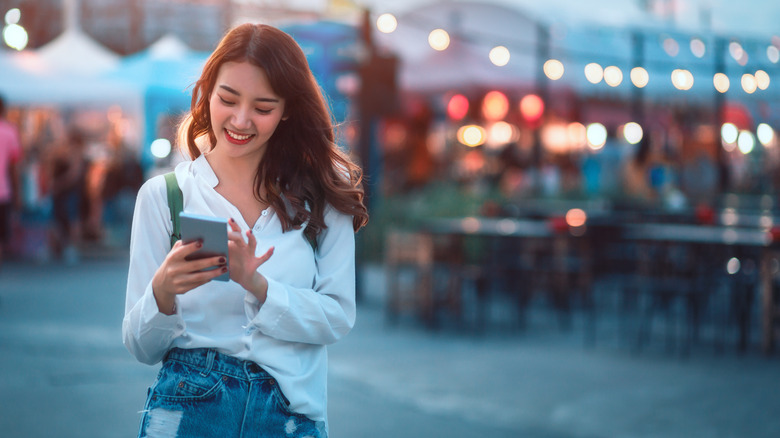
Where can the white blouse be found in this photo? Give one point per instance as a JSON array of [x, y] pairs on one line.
[[310, 303]]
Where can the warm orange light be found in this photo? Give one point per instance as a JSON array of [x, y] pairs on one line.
[[495, 106], [472, 135], [576, 217], [531, 107]]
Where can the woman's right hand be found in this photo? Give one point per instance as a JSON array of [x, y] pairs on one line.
[[177, 276]]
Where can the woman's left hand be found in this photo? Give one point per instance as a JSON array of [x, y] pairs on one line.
[[244, 263]]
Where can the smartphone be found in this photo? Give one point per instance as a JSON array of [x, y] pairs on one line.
[[212, 231]]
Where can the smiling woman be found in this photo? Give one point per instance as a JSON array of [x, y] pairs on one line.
[[248, 356]]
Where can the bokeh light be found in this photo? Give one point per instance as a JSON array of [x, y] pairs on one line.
[[762, 79], [458, 107], [15, 36], [499, 56], [738, 53], [161, 148], [386, 23], [531, 107], [553, 69], [555, 138], [495, 106], [639, 77], [749, 84], [746, 142], [729, 133], [682, 79], [671, 47], [613, 76], [765, 134], [721, 82], [501, 133], [439, 39], [597, 136], [633, 132], [578, 135], [773, 54], [733, 266], [594, 73], [13, 16], [698, 48], [576, 217], [472, 135]]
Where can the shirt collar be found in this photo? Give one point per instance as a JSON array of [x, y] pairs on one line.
[[202, 169]]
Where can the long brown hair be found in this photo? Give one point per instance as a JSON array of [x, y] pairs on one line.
[[302, 163]]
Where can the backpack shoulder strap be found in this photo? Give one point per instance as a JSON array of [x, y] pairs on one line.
[[175, 204]]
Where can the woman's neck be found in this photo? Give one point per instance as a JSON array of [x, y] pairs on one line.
[[234, 172]]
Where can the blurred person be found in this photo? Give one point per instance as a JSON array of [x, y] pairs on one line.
[[10, 192], [248, 357], [67, 172]]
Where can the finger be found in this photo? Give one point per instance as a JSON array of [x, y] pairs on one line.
[[264, 258], [188, 248], [197, 279], [208, 262], [234, 225], [236, 237], [251, 240]]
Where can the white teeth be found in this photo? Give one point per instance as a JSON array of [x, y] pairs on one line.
[[237, 136]]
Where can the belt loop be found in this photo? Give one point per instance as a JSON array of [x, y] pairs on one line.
[[210, 353]]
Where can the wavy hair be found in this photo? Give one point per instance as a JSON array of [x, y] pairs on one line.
[[302, 165]]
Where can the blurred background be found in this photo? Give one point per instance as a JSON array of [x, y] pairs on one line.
[[560, 174]]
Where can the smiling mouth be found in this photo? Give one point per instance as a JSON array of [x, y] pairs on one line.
[[238, 138]]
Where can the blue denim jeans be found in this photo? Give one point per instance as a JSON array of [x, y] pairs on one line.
[[203, 393]]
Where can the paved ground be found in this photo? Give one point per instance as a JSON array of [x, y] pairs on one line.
[[65, 373]]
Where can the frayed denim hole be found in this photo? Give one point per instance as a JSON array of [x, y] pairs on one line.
[[163, 423]]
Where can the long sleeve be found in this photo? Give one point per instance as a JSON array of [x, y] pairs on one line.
[[324, 313], [147, 333]]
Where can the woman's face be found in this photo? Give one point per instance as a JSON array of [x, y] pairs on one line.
[[244, 110]]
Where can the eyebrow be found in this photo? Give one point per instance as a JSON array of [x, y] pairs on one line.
[[259, 99]]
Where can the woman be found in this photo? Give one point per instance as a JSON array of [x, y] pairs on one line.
[[248, 357]]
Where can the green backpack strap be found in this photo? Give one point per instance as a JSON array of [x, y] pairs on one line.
[[175, 204]]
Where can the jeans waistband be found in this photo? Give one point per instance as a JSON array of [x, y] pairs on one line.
[[208, 359]]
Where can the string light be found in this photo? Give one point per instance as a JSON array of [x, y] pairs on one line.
[[439, 39], [613, 76], [639, 77], [387, 23], [553, 69], [721, 82], [594, 73], [499, 56], [749, 84]]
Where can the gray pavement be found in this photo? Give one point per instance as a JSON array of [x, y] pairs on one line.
[[65, 373]]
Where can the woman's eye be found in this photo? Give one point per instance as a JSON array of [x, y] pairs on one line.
[[263, 111], [224, 101]]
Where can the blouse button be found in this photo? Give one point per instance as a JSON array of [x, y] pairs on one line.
[[265, 213]]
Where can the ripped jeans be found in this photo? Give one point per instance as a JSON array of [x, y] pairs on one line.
[[203, 393]]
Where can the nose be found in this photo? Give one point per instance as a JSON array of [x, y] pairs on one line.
[[241, 118]]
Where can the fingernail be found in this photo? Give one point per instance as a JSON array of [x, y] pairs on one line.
[[200, 243], [222, 260], [231, 220], [224, 269]]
